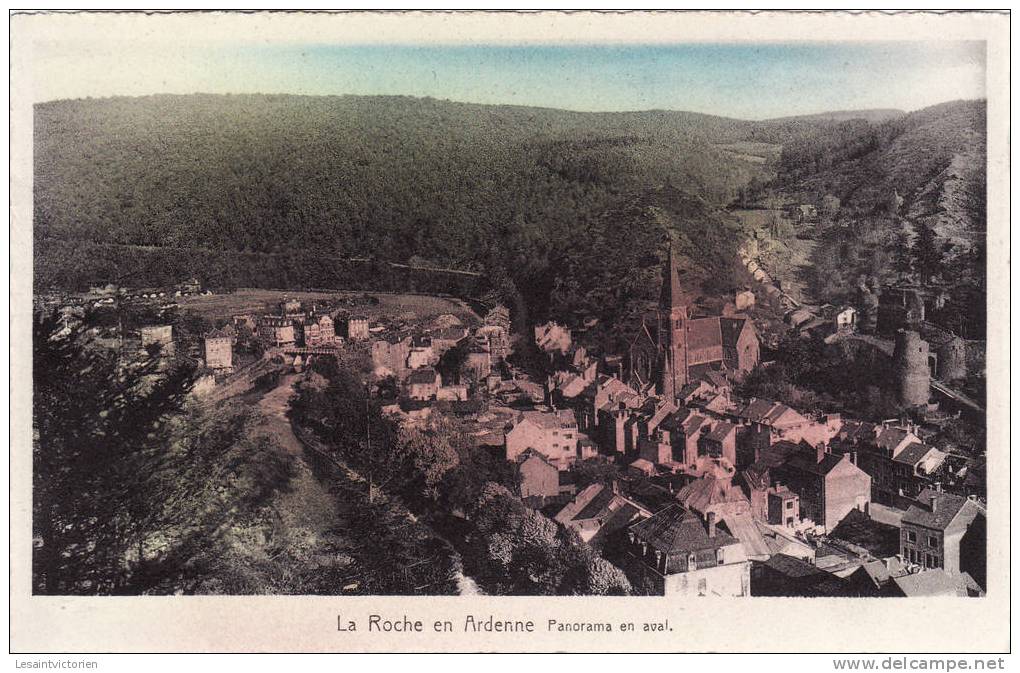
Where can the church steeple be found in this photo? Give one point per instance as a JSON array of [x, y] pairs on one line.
[[670, 296], [672, 331]]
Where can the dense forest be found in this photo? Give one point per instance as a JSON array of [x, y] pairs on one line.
[[559, 211], [928, 166], [509, 191], [902, 200]]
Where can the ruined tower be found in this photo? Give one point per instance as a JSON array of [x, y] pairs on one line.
[[952, 362], [910, 363], [672, 332]]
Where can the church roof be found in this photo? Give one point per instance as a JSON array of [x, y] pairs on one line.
[[703, 333]]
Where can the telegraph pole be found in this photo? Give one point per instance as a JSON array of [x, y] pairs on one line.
[[368, 442]]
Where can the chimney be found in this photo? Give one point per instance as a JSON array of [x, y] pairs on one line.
[[711, 524], [933, 502], [820, 455]]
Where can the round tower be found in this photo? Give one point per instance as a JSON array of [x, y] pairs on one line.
[[910, 362], [952, 363]]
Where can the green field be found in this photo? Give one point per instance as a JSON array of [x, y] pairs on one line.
[[248, 300]]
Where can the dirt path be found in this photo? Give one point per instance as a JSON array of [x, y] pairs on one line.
[[308, 505], [273, 407]]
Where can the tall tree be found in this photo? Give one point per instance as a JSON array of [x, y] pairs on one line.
[[927, 253], [100, 430]]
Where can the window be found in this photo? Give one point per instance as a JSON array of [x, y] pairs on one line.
[[789, 504], [933, 541], [911, 536]]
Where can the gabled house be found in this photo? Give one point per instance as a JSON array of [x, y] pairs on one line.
[[600, 510], [783, 575], [945, 531], [553, 338], [828, 485], [553, 433], [537, 478], [423, 384], [711, 494], [676, 553]]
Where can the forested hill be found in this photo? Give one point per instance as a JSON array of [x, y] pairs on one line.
[[568, 208], [513, 192], [929, 164], [387, 176]]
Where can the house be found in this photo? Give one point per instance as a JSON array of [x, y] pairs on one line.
[[900, 464], [537, 478], [421, 354], [874, 578], [319, 331], [357, 328], [945, 531], [828, 485], [445, 338], [762, 542], [783, 575], [422, 384], [600, 510], [290, 307], [389, 355], [846, 319], [685, 429], [162, 335], [553, 338], [642, 468], [679, 554], [720, 441], [219, 350], [782, 506], [935, 582], [553, 433], [276, 331], [246, 320], [605, 410], [712, 494], [743, 299]]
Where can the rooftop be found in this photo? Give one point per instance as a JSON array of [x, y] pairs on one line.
[[947, 506], [677, 530]]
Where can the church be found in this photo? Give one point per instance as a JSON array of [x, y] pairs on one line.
[[676, 348]]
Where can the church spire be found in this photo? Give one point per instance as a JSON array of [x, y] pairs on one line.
[[672, 332], [670, 297]]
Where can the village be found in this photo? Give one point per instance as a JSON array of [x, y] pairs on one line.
[[651, 456]]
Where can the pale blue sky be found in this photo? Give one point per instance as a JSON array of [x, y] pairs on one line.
[[746, 80]]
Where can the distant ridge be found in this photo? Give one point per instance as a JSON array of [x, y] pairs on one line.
[[875, 116]]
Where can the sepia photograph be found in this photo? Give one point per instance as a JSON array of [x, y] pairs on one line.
[[680, 318]]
